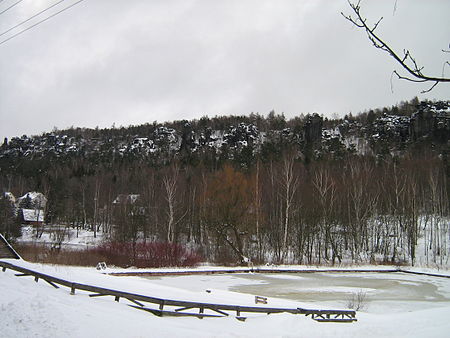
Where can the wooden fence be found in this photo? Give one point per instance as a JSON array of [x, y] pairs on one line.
[[157, 273], [6, 250], [170, 307]]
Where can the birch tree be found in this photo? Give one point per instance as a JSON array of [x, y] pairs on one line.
[[289, 182]]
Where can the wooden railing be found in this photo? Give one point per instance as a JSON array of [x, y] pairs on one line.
[[170, 307], [245, 270], [6, 250]]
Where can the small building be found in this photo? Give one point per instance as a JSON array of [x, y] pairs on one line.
[[31, 216]]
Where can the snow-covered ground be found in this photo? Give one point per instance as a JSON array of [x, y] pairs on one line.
[[29, 309], [72, 239], [397, 304]]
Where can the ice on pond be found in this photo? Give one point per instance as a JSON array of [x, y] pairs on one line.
[[398, 291]]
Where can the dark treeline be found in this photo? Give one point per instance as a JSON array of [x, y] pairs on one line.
[[295, 198]]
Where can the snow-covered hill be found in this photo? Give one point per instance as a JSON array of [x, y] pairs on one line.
[[431, 121]]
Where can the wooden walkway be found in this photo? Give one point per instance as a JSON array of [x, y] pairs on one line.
[[171, 307]]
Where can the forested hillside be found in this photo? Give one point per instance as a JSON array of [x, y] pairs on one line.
[[364, 188]]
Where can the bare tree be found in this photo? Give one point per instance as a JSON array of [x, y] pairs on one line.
[[438, 233], [228, 214], [289, 183], [96, 201], [326, 191], [361, 202], [258, 210], [407, 61], [170, 189]]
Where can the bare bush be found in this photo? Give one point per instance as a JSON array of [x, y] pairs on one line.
[[141, 255], [357, 300], [58, 235], [146, 255], [44, 254]]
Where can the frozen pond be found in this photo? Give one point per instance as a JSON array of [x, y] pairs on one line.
[[397, 291]]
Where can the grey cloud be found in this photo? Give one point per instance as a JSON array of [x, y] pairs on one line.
[[106, 62]]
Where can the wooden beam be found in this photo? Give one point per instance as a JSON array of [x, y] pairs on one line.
[[221, 312], [98, 295], [184, 308], [335, 320], [161, 313], [52, 284], [135, 302]]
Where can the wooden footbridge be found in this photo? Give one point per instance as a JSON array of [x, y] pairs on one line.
[[171, 307]]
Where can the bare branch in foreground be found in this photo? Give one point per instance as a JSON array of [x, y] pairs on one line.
[[408, 63]]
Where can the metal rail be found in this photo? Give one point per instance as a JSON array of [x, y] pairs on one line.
[[179, 307]]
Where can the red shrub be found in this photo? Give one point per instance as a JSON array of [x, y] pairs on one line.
[[147, 255]]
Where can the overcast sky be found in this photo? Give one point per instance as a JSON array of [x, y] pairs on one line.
[[106, 62]]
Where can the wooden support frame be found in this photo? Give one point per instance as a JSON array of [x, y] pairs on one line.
[[52, 284], [162, 313], [221, 312], [135, 302], [260, 300]]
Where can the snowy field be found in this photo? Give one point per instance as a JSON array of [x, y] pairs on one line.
[[398, 305], [73, 239]]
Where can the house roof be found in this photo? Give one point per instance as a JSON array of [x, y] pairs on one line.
[[33, 215], [37, 199]]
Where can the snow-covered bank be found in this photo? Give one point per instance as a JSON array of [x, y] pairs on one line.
[[30, 309]]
